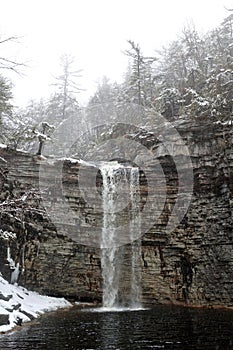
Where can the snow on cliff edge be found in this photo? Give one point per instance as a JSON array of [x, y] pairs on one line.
[[18, 305]]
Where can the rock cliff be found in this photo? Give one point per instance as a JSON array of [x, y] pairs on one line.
[[191, 264]]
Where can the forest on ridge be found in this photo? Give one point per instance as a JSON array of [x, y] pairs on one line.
[[191, 78]]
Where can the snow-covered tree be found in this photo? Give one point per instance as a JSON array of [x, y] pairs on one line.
[[102, 106], [138, 85], [6, 107], [5, 97], [194, 74]]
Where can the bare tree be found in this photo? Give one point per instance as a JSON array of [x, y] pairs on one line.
[[67, 82], [7, 63]]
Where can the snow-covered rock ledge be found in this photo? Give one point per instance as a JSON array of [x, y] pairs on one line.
[[18, 305]]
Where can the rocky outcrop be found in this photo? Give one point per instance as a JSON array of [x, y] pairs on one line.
[[50, 262], [193, 263]]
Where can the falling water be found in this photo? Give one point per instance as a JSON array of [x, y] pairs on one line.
[[109, 263], [119, 182]]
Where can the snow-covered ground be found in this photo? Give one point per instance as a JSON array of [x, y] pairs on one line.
[[22, 305]]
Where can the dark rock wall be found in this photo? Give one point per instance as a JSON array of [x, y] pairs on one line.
[[192, 264]]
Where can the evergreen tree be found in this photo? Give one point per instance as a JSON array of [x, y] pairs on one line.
[[6, 108], [139, 83], [5, 97], [194, 75], [103, 105]]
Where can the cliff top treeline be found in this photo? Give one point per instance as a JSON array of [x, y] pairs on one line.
[[189, 78]]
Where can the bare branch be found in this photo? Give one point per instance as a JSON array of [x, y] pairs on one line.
[[7, 63], [230, 10], [11, 38]]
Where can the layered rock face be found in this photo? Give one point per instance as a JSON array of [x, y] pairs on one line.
[[57, 238]]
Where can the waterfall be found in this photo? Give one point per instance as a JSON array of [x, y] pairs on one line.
[[109, 261], [120, 189]]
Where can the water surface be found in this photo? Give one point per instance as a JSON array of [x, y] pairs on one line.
[[162, 327]]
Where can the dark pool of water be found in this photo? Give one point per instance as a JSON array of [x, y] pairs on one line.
[[161, 327]]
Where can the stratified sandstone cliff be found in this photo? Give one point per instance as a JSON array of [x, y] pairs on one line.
[[191, 264]]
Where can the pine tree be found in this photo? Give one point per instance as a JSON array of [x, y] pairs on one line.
[[5, 97], [103, 105], [6, 108], [139, 83]]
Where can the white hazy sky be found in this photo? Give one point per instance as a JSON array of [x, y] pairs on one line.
[[95, 32]]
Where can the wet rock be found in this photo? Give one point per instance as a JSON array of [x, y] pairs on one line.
[[5, 298], [4, 320]]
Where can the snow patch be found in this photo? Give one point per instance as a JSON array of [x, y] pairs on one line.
[[22, 305], [71, 160], [75, 160], [225, 122], [6, 235]]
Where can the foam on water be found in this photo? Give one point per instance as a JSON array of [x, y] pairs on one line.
[[114, 309]]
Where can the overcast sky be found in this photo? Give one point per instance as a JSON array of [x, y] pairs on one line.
[[95, 32]]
